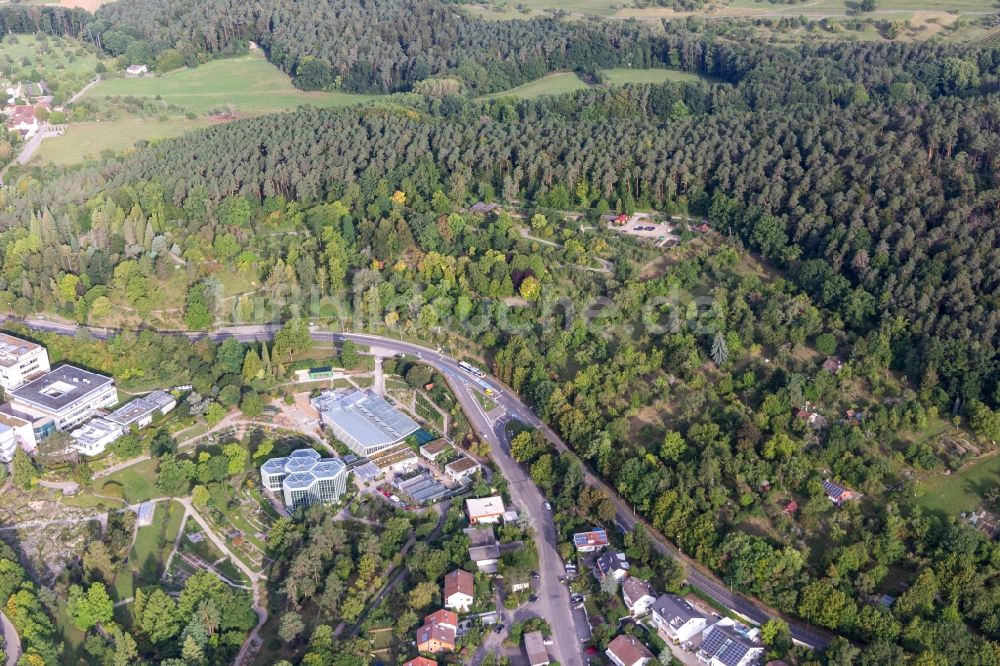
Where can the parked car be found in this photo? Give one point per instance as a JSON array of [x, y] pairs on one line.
[[548, 507], [498, 628], [532, 599], [534, 574]]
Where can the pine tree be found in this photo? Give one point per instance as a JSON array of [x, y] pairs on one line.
[[720, 350]]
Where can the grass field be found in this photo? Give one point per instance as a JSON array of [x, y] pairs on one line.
[[249, 83], [152, 546], [86, 141], [962, 491], [138, 481], [565, 82], [618, 77]]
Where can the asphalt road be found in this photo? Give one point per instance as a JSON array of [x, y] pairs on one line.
[[11, 641], [522, 489]]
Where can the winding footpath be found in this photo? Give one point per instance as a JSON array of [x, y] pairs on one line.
[[566, 646]]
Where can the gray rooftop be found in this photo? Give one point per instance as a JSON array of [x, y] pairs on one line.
[[136, 409], [12, 349], [727, 645], [61, 387], [365, 416], [675, 610]]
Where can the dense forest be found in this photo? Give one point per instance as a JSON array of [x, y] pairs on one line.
[[862, 175], [864, 171]]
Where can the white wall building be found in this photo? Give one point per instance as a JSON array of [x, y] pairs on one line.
[[63, 398], [140, 412], [93, 437], [20, 360], [675, 619], [14, 432]]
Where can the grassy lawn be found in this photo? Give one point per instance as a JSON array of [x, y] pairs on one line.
[[249, 83], [149, 553], [138, 481], [86, 141], [952, 494], [618, 77], [553, 84], [565, 82]]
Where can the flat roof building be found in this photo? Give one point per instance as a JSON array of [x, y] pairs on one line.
[[64, 397], [141, 410], [462, 468], [20, 361], [305, 478], [93, 437], [363, 420], [14, 432], [484, 509]]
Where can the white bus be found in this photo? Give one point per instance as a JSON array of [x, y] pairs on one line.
[[471, 368]]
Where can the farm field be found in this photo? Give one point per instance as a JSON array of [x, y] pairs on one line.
[[248, 84], [962, 491]]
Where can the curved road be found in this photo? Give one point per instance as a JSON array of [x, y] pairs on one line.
[[552, 594], [11, 641]]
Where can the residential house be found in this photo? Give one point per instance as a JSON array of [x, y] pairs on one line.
[[833, 365], [611, 563], [534, 646], [627, 650], [421, 661], [728, 643], [459, 590], [483, 549], [136, 70], [437, 634], [589, 542], [484, 510], [837, 493], [675, 619], [791, 508], [462, 468], [638, 595], [23, 120]]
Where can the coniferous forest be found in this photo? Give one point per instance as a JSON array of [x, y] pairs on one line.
[[861, 178]]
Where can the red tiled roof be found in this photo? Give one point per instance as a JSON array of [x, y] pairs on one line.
[[628, 649], [459, 582], [421, 661]]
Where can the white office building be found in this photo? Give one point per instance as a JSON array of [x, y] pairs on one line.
[[363, 421], [62, 399], [93, 437], [14, 432], [20, 361], [304, 478]]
